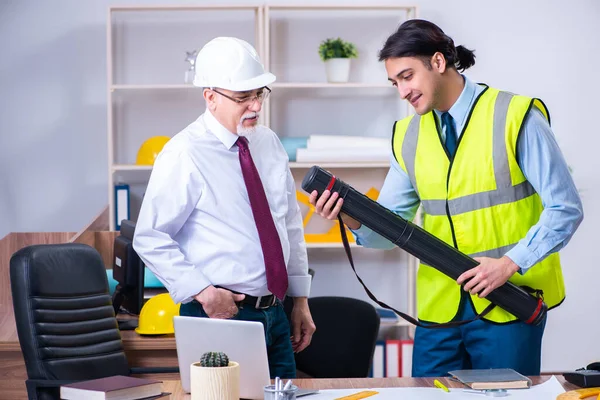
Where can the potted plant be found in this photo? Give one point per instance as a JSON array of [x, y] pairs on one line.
[[336, 53], [215, 377]]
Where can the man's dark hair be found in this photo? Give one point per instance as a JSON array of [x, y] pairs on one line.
[[420, 38]]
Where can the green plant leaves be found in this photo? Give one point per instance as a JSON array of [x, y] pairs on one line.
[[337, 48]]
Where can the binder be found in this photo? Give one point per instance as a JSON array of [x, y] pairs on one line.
[[406, 355], [378, 363], [122, 204], [398, 358]]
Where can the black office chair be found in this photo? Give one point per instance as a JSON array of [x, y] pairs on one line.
[[65, 319], [344, 342]]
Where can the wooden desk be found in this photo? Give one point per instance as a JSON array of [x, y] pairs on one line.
[[141, 351], [151, 351], [177, 393]]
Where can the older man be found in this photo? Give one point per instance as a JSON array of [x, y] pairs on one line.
[[220, 225]]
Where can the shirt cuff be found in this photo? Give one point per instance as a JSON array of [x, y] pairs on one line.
[[361, 234], [523, 257], [188, 285], [299, 286]]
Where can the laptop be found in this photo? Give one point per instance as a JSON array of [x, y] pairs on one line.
[[242, 341]]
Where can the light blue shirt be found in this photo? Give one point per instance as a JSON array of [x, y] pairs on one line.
[[542, 163]]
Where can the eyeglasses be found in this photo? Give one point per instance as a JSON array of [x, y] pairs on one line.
[[248, 100]]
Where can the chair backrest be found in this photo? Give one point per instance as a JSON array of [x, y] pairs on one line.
[[344, 342], [65, 320]]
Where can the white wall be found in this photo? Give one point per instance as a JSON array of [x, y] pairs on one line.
[[5, 206], [53, 112], [5, 218], [53, 120]]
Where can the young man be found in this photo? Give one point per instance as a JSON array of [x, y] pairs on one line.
[[493, 183], [220, 225]]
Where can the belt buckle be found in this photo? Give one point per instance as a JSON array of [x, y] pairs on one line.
[[258, 306]]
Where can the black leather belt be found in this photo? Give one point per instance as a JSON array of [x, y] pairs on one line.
[[260, 303]]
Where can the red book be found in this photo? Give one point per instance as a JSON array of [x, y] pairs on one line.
[[116, 387]]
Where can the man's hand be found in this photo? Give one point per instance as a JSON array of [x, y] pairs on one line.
[[303, 326], [327, 207], [219, 303], [490, 274]]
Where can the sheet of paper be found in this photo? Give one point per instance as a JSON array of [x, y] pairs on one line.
[[547, 390]]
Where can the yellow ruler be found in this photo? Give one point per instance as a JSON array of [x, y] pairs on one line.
[[587, 393], [360, 395]]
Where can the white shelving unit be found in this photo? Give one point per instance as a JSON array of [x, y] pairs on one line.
[[281, 22], [138, 77]]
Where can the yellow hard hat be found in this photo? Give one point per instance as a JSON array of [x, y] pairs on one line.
[[156, 317], [149, 150]]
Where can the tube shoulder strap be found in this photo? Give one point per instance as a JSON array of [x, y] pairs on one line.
[[404, 316]]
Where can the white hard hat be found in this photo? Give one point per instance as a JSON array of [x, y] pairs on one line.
[[230, 63]]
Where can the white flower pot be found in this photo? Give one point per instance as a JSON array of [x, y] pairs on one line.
[[210, 383], [338, 70]]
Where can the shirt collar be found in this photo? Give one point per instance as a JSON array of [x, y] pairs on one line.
[[460, 108], [223, 134]]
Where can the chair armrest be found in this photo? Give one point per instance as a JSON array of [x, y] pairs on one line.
[[47, 383]]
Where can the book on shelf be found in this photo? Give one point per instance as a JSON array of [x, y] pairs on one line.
[[346, 141], [117, 387], [493, 378], [387, 315], [343, 154], [398, 358]]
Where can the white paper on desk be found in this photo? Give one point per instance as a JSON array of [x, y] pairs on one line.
[[547, 390]]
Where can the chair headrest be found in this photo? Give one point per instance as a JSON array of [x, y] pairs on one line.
[[47, 270]]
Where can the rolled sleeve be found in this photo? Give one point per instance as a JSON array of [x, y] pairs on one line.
[[299, 286]]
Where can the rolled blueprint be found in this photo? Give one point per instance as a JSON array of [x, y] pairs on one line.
[[421, 244]]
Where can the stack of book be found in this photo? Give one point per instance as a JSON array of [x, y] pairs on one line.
[[494, 379], [116, 387], [338, 148]]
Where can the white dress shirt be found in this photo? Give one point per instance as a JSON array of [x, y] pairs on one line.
[[196, 227]]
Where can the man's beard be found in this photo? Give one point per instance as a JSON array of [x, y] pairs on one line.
[[247, 131]]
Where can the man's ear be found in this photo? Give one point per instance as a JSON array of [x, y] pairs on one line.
[[210, 98], [438, 62]]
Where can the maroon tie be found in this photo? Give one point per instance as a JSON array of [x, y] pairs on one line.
[[277, 281]]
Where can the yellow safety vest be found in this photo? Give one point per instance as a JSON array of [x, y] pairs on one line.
[[480, 202]]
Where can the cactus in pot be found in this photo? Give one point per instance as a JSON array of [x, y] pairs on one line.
[[214, 359], [215, 377]]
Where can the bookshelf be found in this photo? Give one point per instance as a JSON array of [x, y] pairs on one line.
[[147, 95]]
